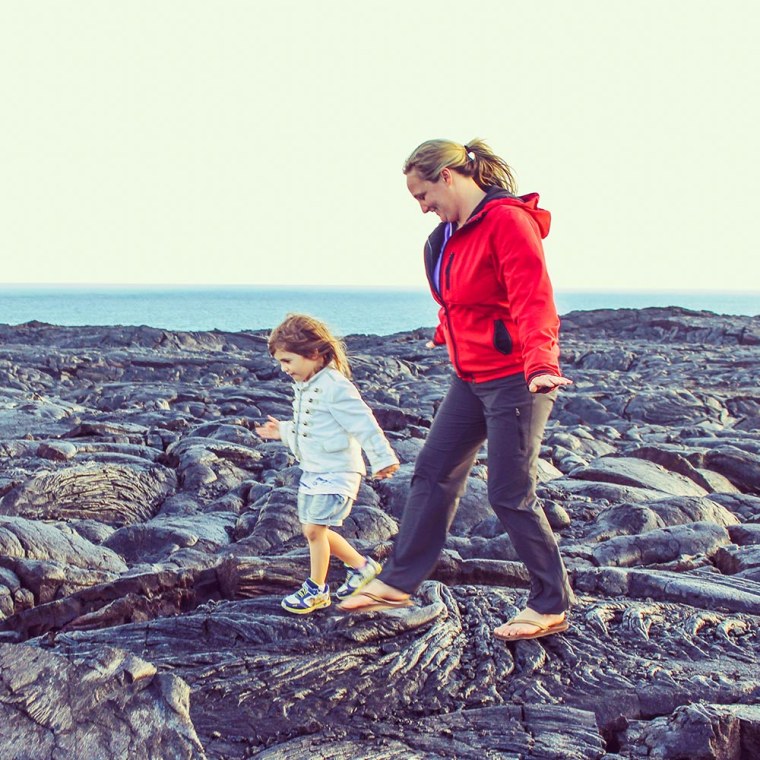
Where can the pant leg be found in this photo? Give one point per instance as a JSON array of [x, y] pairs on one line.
[[515, 421], [439, 479]]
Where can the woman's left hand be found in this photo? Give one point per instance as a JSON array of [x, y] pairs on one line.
[[547, 383], [386, 472]]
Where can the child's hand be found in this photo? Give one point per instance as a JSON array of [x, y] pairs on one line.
[[386, 472], [270, 429]]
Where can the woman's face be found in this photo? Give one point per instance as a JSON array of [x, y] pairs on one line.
[[434, 196]]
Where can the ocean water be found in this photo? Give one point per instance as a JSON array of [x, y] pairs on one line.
[[347, 311]]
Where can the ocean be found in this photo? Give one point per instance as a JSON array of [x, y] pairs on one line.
[[347, 311]]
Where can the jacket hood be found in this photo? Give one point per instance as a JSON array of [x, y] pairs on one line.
[[496, 196]]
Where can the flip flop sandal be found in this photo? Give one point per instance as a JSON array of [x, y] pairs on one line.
[[378, 603], [541, 629]]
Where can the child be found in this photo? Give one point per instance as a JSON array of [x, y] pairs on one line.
[[330, 426]]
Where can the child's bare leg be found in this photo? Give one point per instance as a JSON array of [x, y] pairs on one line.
[[319, 551], [343, 550]]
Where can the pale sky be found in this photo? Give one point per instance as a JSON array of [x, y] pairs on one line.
[[187, 142]]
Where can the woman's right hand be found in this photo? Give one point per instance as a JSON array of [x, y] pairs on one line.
[[270, 429], [547, 383]]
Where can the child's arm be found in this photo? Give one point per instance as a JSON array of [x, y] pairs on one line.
[[278, 430], [270, 429], [356, 418]]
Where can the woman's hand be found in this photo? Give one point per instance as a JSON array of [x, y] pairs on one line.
[[386, 472], [270, 429], [547, 383]]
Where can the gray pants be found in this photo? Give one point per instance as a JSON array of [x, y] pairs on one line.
[[512, 420]]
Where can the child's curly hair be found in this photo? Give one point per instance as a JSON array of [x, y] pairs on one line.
[[306, 336]]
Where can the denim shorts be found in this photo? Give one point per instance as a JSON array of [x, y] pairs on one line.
[[323, 508]]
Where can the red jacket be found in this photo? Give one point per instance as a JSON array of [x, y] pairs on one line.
[[497, 314]]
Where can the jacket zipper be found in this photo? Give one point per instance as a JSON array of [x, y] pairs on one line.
[[446, 279], [447, 276]]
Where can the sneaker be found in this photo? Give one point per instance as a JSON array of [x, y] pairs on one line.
[[356, 579], [307, 599]]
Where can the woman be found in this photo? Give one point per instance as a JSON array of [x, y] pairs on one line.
[[485, 266]]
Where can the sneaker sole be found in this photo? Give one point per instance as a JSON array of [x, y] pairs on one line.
[[306, 611]]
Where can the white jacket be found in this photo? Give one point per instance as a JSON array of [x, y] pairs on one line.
[[331, 425]]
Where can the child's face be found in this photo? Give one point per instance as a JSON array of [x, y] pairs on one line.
[[299, 368]]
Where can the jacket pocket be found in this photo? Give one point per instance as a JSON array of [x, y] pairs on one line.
[[337, 442], [502, 340], [520, 429]]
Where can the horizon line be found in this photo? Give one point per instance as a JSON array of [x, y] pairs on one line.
[[324, 287]]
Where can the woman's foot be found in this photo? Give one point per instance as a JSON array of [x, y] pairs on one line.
[[530, 624], [369, 596]]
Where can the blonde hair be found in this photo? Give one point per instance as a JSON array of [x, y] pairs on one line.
[[473, 159], [306, 336]]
